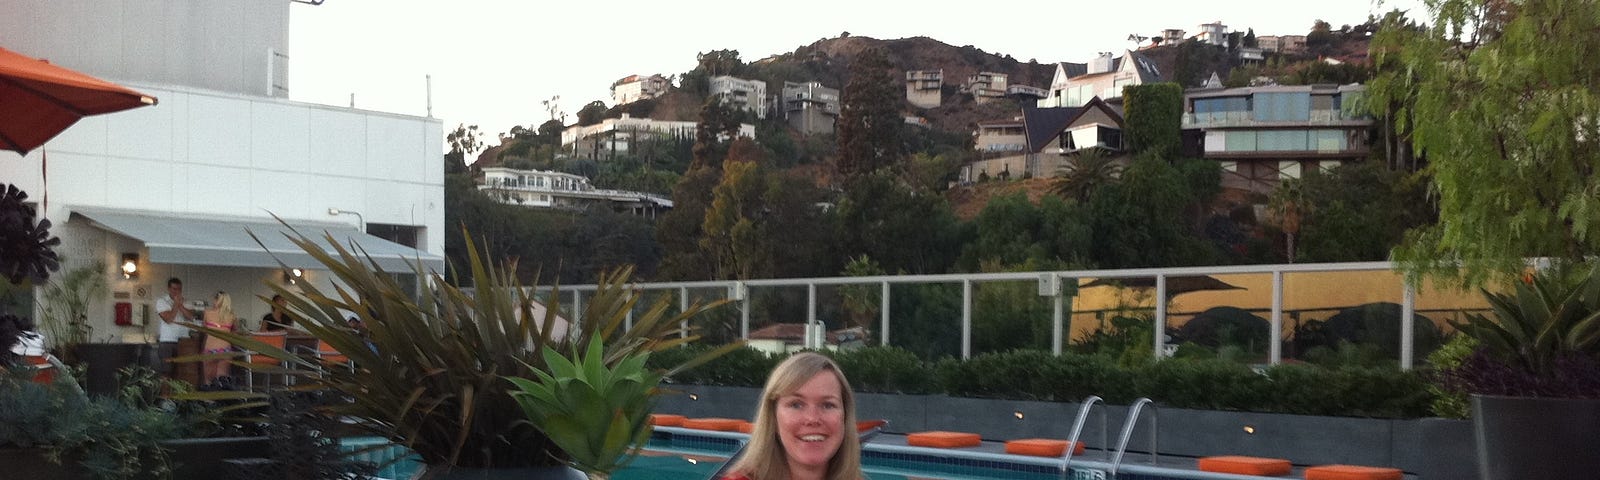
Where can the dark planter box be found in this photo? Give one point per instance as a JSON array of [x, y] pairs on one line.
[[1429, 448], [31, 464], [204, 458], [103, 361], [1529, 438]]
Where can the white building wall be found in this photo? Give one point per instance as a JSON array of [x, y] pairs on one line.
[[213, 44], [206, 153]]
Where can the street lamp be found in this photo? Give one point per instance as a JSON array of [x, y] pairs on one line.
[[359, 218]]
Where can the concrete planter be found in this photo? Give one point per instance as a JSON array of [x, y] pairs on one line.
[[1430, 448], [30, 463], [205, 458], [1522, 437]]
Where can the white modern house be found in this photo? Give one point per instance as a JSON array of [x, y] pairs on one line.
[[744, 94], [177, 189], [547, 189]]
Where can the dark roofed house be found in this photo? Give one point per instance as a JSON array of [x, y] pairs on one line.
[[1053, 136]]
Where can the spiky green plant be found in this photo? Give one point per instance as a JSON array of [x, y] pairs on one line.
[[1554, 314], [596, 413], [430, 366]]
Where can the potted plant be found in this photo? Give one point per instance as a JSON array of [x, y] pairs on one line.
[[429, 366], [1535, 377], [596, 410]]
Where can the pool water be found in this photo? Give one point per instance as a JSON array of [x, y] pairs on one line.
[[697, 460]]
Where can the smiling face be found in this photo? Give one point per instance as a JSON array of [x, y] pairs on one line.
[[811, 424]]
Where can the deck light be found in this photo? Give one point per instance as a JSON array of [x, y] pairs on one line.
[[694, 397], [1249, 429], [1018, 414], [293, 275]]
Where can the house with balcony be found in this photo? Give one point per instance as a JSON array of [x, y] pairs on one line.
[[619, 136], [809, 107], [1103, 78], [176, 189], [1282, 43], [748, 95], [925, 88], [557, 190], [1051, 137], [1263, 135], [1214, 33], [633, 88], [985, 87]]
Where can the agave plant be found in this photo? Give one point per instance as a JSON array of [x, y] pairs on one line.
[[429, 371], [596, 413], [1547, 321]]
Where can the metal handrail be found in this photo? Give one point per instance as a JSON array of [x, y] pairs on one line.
[[1127, 432], [1077, 430]]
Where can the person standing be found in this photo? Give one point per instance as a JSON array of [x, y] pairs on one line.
[[173, 313], [219, 317], [278, 318]]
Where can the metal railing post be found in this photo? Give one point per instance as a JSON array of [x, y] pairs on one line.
[[811, 316], [1161, 316], [1408, 320], [1275, 346], [883, 313], [683, 306], [966, 319]]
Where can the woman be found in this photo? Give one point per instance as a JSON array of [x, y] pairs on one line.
[[805, 426], [219, 316]]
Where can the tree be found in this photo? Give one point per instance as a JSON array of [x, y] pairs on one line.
[[1141, 221], [719, 125], [1154, 114], [904, 230], [1507, 119], [1250, 38], [1085, 173], [592, 113], [869, 124], [732, 235], [463, 143], [1354, 213], [1320, 37], [680, 229]]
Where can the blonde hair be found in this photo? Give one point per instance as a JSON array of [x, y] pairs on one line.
[[225, 308], [764, 458]]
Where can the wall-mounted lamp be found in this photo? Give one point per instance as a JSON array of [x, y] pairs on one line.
[[130, 266], [359, 218], [293, 275]]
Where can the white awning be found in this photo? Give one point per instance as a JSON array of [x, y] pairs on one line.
[[193, 240]]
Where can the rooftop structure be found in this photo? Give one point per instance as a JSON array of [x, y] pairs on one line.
[[547, 189]]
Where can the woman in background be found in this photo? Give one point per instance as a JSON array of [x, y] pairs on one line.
[[805, 425], [219, 316]]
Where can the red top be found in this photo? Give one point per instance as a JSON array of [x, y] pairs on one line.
[[736, 476]]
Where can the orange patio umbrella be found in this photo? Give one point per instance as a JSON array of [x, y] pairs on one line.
[[39, 100]]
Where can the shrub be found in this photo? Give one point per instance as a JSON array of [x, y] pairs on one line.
[[1207, 384], [744, 367], [884, 370], [1450, 403]]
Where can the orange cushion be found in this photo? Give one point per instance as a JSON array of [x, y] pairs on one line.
[[718, 424], [1245, 465], [943, 439], [665, 420], [1042, 447], [746, 427], [1351, 472]]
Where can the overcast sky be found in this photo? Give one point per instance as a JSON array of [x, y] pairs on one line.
[[494, 61]]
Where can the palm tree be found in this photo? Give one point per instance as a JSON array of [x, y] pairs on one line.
[[1084, 173]]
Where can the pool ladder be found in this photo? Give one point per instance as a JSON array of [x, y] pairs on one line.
[[1122, 442]]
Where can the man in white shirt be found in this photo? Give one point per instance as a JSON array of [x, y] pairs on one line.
[[172, 310]]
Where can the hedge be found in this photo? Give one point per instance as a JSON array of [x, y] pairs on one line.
[[1036, 375]]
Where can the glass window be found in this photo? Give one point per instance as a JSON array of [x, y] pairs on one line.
[[1282, 107], [1282, 140], [1329, 140], [1241, 141]]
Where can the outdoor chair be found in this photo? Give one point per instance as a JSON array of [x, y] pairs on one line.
[[45, 372], [276, 339], [331, 356]]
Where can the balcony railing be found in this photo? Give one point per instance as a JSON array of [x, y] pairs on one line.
[[1247, 119]]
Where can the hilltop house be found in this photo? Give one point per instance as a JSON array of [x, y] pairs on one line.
[[547, 189], [176, 189], [633, 88], [1052, 136], [925, 88], [1262, 135], [1103, 77], [810, 107], [749, 95], [614, 136], [985, 87]]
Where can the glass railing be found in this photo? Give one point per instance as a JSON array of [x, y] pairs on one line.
[[1246, 118]]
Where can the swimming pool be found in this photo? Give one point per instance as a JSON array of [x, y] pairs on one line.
[[680, 454]]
